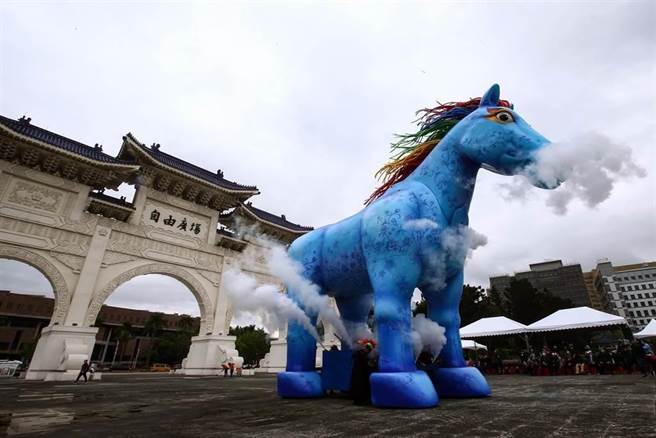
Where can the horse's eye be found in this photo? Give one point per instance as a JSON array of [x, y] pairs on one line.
[[504, 117]]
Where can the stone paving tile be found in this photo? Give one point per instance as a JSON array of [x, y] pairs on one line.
[[147, 405]]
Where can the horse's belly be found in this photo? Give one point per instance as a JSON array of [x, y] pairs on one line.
[[343, 267]]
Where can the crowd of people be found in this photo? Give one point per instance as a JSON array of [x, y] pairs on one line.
[[623, 358]]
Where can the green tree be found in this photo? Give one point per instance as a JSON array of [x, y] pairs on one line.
[[475, 303], [526, 304], [152, 329], [154, 325], [171, 347], [252, 343], [187, 324], [124, 335]]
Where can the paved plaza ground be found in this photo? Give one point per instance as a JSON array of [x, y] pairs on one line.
[[145, 405]]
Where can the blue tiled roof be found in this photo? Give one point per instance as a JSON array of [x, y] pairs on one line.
[[272, 218], [191, 169], [24, 127]]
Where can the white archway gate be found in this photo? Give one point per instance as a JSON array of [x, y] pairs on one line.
[[87, 243]]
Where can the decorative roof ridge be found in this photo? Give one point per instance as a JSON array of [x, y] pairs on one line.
[[178, 165], [118, 202], [24, 130], [272, 219]]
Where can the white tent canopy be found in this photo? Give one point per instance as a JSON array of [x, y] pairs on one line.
[[575, 318], [471, 345], [647, 332], [494, 326]]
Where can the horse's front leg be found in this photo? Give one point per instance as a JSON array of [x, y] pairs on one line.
[[398, 384], [453, 378]]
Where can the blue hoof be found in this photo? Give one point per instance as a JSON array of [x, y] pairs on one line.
[[464, 382], [402, 390], [299, 384]]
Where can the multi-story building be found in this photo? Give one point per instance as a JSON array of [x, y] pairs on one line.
[[593, 293], [628, 291], [23, 316], [564, 281]]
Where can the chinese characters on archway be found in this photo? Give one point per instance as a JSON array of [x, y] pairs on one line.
[[170, 221]]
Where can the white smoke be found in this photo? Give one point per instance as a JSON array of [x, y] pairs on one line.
[[267, 301], [588, 167], [290, 272], [420, 225], [272, 307], [457, 245], [427, 334]]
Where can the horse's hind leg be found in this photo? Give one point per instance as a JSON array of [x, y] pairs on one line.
[[300, 380], [453, 378]]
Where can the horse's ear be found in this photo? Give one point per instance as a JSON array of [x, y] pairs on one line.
[[491, 98]]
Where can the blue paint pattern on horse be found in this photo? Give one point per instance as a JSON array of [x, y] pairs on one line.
[[399, 242]]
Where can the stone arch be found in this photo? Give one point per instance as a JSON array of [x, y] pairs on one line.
[[179, 273], [51, 272]]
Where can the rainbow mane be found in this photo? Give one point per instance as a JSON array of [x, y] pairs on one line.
[[411, 149]]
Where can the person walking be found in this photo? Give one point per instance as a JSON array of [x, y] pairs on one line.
[[648, 357], [83, 371], [639, 357], [579, 363], [589, 360], [231, 365]]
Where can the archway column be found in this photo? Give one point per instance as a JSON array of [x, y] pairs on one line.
[[60, 352], [86, 284], [62, 349], [210, 349], [206, 354]]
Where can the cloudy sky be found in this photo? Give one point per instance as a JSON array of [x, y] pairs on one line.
[[302, 100]]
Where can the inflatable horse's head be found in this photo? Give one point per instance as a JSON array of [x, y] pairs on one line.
[[497, 138]]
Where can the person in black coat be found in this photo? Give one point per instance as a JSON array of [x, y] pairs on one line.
[[83, 371], [363, 366]]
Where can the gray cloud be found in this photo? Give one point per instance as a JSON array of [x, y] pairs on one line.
[[303, 100], [22, 278]]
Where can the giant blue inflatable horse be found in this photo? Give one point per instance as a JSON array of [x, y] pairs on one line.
[[381, 254]]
